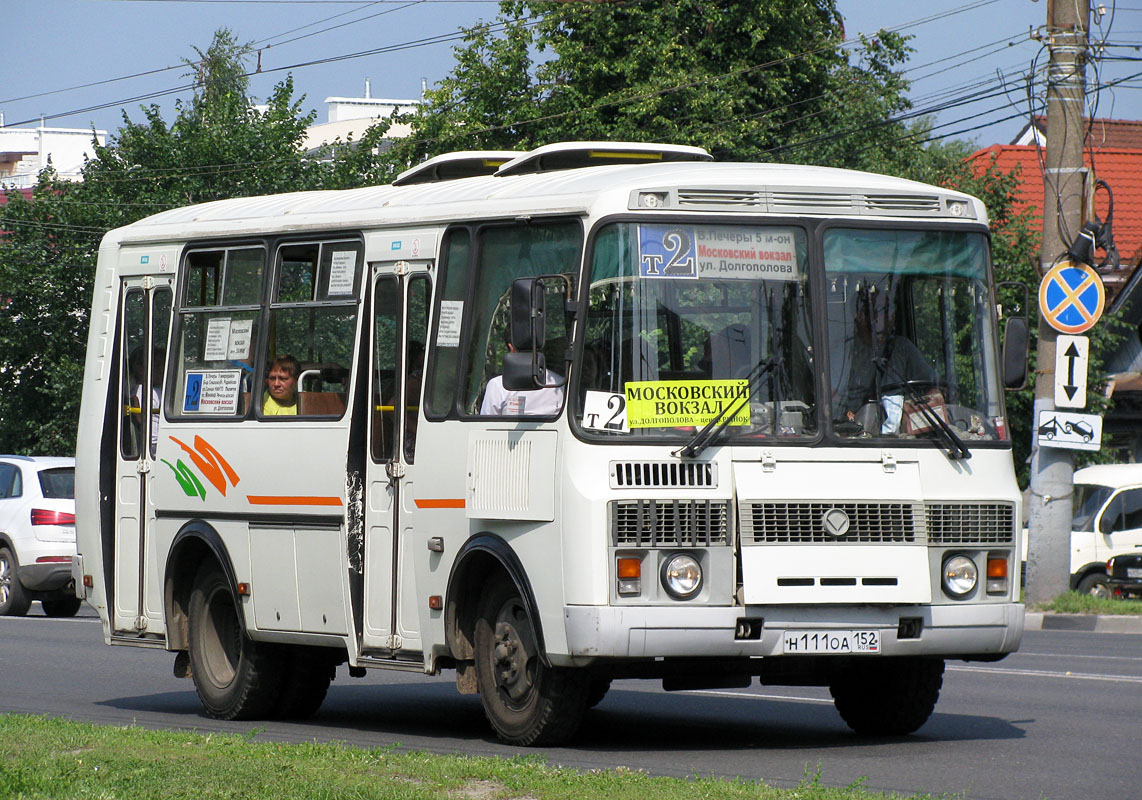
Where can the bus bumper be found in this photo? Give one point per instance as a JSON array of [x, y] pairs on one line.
[[952, 631]]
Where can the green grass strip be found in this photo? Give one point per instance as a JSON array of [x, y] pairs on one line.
[[1075, 603], [42, 757]]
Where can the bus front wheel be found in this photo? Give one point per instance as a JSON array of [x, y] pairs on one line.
[[526, 702], [887, 698], [234, 676]]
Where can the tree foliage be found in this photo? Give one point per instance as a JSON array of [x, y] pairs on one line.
[[747, 81], [217, 146]]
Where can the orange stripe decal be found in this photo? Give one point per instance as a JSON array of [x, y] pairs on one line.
[[443, 502], [289, 500]]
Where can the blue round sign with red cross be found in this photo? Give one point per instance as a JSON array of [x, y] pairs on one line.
[[1071, 297]]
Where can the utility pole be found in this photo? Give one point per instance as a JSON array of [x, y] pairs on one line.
[[1052, 469]]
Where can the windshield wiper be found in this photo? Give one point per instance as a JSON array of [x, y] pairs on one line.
[[702, 439], [943, 431]]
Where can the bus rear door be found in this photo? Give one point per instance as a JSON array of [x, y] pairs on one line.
[[144, 318]]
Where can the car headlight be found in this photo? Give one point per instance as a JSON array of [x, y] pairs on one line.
[[681, 576], [960, 576]]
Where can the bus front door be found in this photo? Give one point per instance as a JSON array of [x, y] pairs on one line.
[[399, 332], [144, 319]]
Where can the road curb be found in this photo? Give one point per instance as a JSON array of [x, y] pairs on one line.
[[1091, 623]]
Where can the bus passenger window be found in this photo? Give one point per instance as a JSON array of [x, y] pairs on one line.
[[444, 365], [213, 347], [313, 318]]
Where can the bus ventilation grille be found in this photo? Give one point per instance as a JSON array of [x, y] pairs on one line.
[[902, 203], [664, 474], [798, 523], [669, 523], [971, 523]]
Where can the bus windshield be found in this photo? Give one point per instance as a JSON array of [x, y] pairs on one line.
[[910, 334], [681, 316]]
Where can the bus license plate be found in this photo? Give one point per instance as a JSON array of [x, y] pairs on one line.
[[830, 642]]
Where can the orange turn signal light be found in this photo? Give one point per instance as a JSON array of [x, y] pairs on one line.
[[629, 568], [997, 566]]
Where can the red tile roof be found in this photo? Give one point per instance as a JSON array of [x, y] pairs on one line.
[[1113, 133], [4, 194], [1119, 167]]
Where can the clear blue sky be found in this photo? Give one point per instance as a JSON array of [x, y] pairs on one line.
[[55, 50]]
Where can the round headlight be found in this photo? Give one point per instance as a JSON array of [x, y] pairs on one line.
[[681, 576], [960, 576]]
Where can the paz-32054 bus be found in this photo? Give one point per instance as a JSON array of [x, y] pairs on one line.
[[593, 411]]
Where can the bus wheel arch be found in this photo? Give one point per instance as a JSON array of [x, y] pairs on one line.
[[195, 544], [481, 560]]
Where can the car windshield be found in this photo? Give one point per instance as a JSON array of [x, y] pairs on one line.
[[911, 334], [58, 483], [680, 317], [1088, 499]]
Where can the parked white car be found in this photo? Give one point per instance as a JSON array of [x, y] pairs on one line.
[[1107, 522], [37, 535]]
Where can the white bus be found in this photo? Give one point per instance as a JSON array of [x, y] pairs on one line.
[[589, 412]]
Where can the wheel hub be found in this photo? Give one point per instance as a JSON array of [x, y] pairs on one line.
[[513, 655]]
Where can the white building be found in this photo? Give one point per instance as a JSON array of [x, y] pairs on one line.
[[352, 116], [26, 151]]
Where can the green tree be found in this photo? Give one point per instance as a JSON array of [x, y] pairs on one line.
[[747, 81], [218, 145]]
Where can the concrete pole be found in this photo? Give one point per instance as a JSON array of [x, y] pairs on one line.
[[1052, 469]]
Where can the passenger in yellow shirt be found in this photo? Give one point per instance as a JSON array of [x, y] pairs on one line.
[[280, 398]]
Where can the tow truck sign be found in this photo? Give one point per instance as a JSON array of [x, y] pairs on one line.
[[1069, 431]]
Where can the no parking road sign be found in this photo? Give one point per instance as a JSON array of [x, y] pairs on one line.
[[1071, 297]]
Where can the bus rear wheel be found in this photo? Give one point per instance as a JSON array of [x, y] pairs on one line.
[[235, 677], [308, 675], [526, 702], [892, 697]]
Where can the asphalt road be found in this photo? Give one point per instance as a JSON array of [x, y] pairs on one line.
[[1057, 720]]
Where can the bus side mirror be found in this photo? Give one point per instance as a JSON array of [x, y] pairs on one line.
[[528, 328], [524, 371], [1016, 344]]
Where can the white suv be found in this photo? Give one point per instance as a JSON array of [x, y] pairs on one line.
[[37, 535]]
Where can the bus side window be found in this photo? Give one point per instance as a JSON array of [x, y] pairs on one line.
[[507, 253], [313, 317], [217, 327], [443, 377]]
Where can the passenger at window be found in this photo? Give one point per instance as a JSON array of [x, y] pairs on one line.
[[501, 402], [280, 398]]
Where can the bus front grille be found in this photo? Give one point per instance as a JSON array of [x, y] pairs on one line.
[[687, 474], [669, 523], [969, 523], [798, 523]]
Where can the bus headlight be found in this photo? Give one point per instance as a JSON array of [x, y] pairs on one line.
[[681, 576], [959, 576]]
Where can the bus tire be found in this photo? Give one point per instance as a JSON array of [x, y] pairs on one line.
[[14, 601], [307, 679], [235, 677], [596, 690], [890, 698], [526, 702], [62, 604]]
